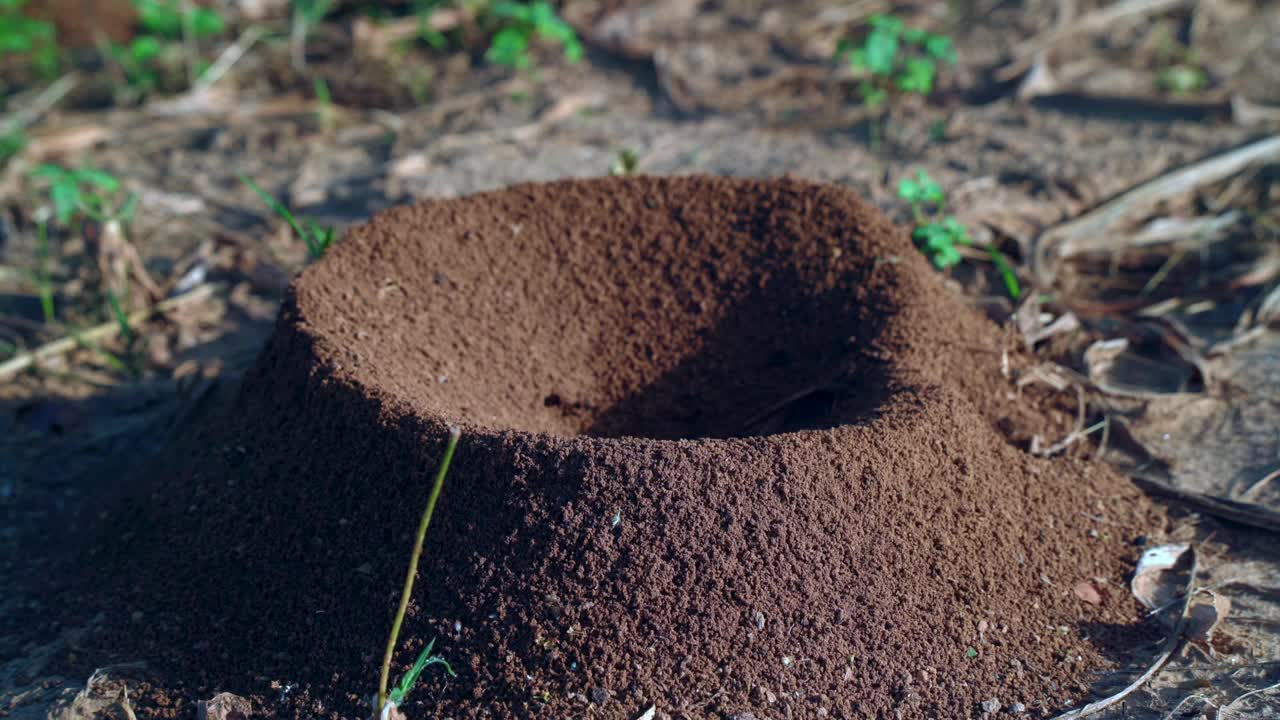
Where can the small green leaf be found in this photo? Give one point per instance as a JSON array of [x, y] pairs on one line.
[[410, 679], [917, 76], [1183, 79], [510, 47], [206, 23], [941, 47], [66, 200], [881, 52], [103, 180], [162, 18], [873, 96], [887, 23], [971, 653], [145, 48]]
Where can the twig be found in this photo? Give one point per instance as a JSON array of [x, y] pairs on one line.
[[1103, 18], [1091, 232], [454, 434], [1244, 513], [229, 58], [1252, 491], [21, 362], [39, 105], [1170, 645], [1222, 711], [189, 49]]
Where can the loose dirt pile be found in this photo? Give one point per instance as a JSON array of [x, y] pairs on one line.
[[729, 447]]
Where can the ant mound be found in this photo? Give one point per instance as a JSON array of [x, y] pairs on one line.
[[729, 448]]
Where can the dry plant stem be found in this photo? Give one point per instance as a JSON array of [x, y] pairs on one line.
[[1089, 22], [1245, 513], [1090, 232], [42, 103], [1223, 711], [1170, 645], [229, 58], [21, 362], [454, 434]]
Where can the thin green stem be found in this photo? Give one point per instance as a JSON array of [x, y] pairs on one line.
[[45, 277], [454, 434]]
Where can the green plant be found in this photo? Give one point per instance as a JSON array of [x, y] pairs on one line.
[[940, 235], [520, 24], [626, 163], [166, 24], [425, 659], [171, 19], [318, 238], [894, 59], [306, 15], [43, 275], [86, 190], [23, 35], [326, 112], [1180, 70], [1182, 79]]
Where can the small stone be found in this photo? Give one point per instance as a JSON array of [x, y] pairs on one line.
[[1017, 708], [991, 706], [599, 695], [224, 706], [136, 616]]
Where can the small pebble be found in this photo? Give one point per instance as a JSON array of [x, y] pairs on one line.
[[1017, 708], [991, 706], [599, 695]]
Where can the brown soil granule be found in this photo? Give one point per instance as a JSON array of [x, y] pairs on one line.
[[730, 448]]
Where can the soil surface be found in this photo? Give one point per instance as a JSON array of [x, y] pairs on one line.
[[729, 446]]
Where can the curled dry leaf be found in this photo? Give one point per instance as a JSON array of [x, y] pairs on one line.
[[1203, 618], [1086, 591], [1153, 583]]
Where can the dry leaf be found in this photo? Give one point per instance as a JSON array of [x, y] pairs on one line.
[[1152, 584], [1088, 593], [1204, 617]]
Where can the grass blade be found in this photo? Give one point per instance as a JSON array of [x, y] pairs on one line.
[[414, 557]]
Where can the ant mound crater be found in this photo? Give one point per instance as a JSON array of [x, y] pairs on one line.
[[655, 309], [727, 445]]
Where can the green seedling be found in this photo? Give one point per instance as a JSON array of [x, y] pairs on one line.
[[171, 19], [1180, 70], [940, 235], [27, 36], [520, 24], [318, 238], [1182, 79], [326, 113], [43, 275], [425, 659], [895, 59], [626, 163], [167, 25], [122, 318], [83, 191]]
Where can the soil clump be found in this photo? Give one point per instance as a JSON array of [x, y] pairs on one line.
[[729, 447]]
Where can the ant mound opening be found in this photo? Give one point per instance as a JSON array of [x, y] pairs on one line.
[[728, 447], [613, 310]]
